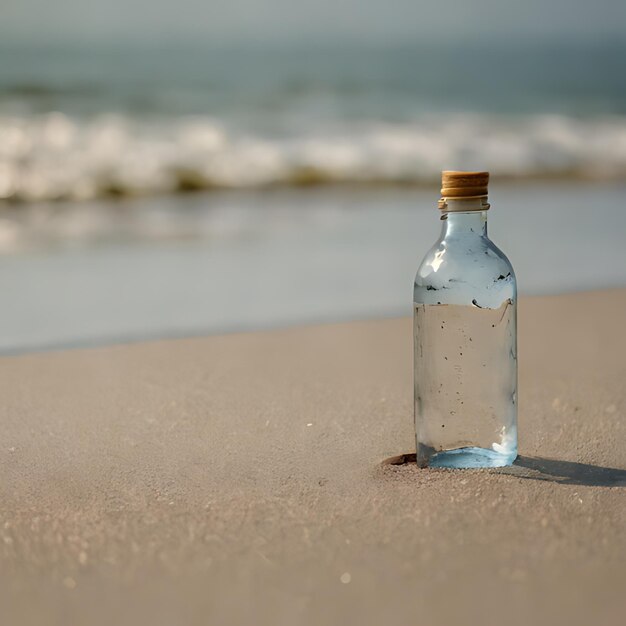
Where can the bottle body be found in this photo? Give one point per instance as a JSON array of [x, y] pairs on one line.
[[465, 346]]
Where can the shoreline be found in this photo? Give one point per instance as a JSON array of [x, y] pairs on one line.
[[203, 264], [189, 335]]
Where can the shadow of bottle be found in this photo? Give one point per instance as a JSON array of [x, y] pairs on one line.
[[554, 470], [565, 472]]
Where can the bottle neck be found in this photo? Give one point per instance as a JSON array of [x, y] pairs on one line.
[[464, 216]]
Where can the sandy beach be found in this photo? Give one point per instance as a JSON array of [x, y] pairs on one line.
[[240, 479]]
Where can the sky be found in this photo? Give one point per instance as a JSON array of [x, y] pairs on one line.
[[378, 21]]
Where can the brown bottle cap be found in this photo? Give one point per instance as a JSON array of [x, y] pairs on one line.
[[464, 184]]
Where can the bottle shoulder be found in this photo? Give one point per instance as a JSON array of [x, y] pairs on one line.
[[456, 269]]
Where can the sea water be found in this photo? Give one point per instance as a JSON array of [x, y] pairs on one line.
[[86, 121]]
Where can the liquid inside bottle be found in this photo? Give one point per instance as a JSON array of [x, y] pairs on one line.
[[465, 338]]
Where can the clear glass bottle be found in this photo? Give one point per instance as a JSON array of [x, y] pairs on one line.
[[465, 332]]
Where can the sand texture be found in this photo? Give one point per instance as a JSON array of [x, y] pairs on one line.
[[238, 480]]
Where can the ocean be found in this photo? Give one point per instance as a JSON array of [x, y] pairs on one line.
[[79, 123], [156, 192]]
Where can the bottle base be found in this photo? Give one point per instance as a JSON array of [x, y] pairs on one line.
[[467, 458]]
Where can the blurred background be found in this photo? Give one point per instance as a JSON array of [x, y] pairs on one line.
[[168, 169]]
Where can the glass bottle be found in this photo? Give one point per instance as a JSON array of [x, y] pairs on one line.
[[465, 337]]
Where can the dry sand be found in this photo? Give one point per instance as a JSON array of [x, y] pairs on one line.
[[238, 480]]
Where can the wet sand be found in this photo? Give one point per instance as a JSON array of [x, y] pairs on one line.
[[237, 479]]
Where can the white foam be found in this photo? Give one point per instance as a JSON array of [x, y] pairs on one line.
[[55, 156]]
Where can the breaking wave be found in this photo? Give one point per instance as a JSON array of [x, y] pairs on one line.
[[57, 157]]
